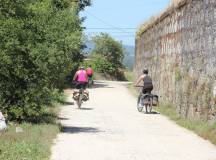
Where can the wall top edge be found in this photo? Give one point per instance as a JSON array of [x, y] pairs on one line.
[[157, 19]]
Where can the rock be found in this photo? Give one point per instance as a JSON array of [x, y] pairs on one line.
[[19, 130]]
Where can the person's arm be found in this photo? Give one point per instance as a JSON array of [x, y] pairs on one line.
[[139, 80], [86, 76], [75, 76]]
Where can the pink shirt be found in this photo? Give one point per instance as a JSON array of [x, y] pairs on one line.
[[81, 76], [89, 71]]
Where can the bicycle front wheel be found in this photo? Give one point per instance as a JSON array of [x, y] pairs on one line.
[[139, 104]]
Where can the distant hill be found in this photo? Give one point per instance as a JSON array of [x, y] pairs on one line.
[[128, 60], [130, 49]]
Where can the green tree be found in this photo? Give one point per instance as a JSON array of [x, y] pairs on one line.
[[40, 45], [108, 54]]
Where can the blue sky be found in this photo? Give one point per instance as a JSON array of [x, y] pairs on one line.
[[120, 18]]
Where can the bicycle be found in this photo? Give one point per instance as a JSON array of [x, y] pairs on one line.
[[148, 100], [80, 96]]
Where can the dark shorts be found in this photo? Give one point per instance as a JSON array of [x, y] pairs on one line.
[[90, 76], [147, 90], [80, 85]]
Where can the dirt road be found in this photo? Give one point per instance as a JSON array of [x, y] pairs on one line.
[[109, 127]]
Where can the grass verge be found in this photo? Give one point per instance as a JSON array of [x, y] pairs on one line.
[[35, 142], [130, 77], [200, 127], [32, 144]]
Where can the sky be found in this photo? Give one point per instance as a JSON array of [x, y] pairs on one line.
[[120, 18]]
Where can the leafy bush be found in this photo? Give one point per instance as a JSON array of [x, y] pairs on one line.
[[40, 45], [108, 56]]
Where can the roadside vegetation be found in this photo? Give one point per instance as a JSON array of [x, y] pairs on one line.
[[41, 43], [107, 57], [31, 141], [40, 46]]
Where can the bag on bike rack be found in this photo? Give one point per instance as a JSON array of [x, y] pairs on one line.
[[75, 95], [155, 100], [85, 97]]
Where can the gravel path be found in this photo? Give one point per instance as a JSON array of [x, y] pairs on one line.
[[109, 127]]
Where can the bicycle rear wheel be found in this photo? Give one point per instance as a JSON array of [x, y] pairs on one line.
[[79, 101], [148, 106]]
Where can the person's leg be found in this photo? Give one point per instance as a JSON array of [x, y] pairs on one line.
[[76, 89], [85, 87], [85, 90]]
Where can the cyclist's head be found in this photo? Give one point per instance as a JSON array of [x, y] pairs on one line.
[[145, 71]]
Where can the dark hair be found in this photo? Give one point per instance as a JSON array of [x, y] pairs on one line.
[[145, 71]]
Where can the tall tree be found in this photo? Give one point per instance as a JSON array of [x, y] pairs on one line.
[[110, 54]]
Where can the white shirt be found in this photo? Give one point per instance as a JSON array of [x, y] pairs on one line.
[[2, 117], [3, 125]]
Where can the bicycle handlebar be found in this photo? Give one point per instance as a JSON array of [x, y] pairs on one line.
[[139, 86]]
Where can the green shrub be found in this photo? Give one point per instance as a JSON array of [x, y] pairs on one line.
[[108, 56], [40, 45]]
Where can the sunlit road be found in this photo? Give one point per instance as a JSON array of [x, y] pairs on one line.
[[109, 127]]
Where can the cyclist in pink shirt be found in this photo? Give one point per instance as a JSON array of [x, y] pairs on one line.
[[89, 71], [81, 78]]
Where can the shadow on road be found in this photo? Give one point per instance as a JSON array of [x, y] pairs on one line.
[[74, 130], [68, 103], [62, 118], [101, 85], [87, 109], [153, 112]]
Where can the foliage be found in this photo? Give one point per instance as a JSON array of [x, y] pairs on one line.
[[108, 55], [84, 3], [40, 45]]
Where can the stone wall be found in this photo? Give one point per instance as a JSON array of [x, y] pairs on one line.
[[179, 48]]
